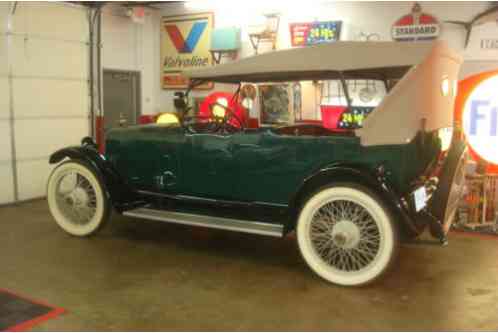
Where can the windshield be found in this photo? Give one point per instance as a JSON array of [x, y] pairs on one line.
[[367, 93], [324, 101], [337, 113]]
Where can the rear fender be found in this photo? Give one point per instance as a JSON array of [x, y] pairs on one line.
[[120, 193], [373, 180]]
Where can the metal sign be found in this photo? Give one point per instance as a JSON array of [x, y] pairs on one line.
[[185, 41], [480, 119], [416, 26], [489, 44], [303, 34]]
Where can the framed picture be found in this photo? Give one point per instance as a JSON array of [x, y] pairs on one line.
[[185, 42], [275, 104]]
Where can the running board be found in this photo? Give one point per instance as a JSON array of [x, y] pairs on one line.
[[252, 227]]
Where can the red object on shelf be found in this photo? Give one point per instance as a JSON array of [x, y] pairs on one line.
[[331, 114]]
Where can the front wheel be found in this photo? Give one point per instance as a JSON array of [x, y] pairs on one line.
[[77, 199], [346, 236]]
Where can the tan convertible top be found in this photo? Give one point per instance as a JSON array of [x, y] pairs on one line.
[[423, 99], [366, 60]]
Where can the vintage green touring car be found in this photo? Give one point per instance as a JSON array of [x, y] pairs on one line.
[[350, 196]]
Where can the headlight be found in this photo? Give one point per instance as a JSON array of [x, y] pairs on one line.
[[445, 135]]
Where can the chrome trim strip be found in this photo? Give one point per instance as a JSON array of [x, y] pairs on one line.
[[269, 204], [252, 227], [194, 198], [155, 194], [213, 201]]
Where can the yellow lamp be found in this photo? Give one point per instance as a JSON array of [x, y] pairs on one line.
[[167, 118]]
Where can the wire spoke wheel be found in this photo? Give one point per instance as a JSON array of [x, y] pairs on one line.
[[76, 199], [346, 235]]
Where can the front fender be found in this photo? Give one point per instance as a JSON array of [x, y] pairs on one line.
[[353, 173], [120, 193]]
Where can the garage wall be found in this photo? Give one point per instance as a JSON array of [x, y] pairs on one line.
[[357, 17], [127, 45], [47, 92], [6, 179], [131, 46]]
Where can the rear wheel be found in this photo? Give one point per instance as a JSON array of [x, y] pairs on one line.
[[77, 199], [346, 236]]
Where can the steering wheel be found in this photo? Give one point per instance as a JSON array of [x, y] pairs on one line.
[[229, 116], [198, 124], [214, 123]]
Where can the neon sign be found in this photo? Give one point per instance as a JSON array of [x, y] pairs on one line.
[[354, 118], [310, 33]]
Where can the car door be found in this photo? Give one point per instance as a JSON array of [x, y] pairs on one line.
[[148, 156], [170, 143], [207, 166], [268, 167]]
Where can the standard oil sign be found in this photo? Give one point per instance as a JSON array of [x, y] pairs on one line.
[[416, 26]]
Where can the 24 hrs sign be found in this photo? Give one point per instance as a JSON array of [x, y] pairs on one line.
[[309, 33]]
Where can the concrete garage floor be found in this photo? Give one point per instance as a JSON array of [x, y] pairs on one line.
[[139, 275]]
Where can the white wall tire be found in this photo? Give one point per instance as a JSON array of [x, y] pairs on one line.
[[77, 199], [346, 236]]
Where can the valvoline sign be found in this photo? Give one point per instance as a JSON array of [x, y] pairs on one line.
[[187, 45], [185, 42], [416, 26]]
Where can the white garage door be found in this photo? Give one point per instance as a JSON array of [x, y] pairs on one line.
[[44, 91]]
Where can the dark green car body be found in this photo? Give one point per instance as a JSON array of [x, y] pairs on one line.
[[252, 165], [261, 174]]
